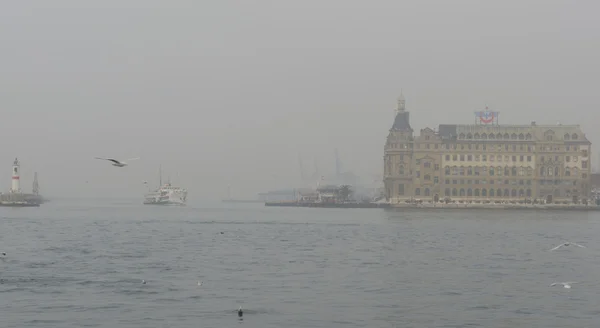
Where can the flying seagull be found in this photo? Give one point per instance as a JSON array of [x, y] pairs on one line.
[[116, 162], [565, 284], [567, 244]]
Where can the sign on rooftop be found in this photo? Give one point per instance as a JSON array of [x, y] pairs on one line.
[[486, 117]]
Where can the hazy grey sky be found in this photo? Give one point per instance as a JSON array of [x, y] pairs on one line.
[[229, 92]]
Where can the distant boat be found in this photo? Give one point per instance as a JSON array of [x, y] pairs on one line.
[[166, 194]]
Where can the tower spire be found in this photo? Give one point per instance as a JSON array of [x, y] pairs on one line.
[[401, 103]]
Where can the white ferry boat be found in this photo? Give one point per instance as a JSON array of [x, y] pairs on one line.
[[166, 194]]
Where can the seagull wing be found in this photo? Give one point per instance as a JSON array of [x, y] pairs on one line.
[[557, 247], [553, 284], [579, 245], [109, 159]]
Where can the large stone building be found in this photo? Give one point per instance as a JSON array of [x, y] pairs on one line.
[[486, 162]]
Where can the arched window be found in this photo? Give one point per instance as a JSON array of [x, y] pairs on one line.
[[461, 136], [568, 172], [506, 194], [476, 192], [401, 170], [427, 177], [483, 136], [491, 192], [492, 171], [528, 193], [550, 171], [567, 136], [521, 193], [521, 136], [556, 171], [506, 136], [469, 192], [447, 192], [491, 136], [454, 192], [574, 136], [418, 192], [427, 192], [483, 192], [469, 136], [513, 136], [499, 136], [513, 171], [476, 136], [470, 170], [513, 193], [462, 192], [528, 136], [506, 171], [499, 193]]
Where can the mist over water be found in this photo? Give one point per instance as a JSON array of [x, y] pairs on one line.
[[73, 264]]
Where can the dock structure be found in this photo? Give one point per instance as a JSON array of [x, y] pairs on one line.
[[15, 197]]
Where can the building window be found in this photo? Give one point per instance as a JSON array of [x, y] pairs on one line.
[[574, 136], [484, 158], [427, 192], [447, 181], [454, 192], [584, 164], [492, 158], [469, 158], [513, 193], [529, 158], [514, 171], [447, 170], [491, 171], [448, 157], [418, 192], [469, 192], [427, 165], [556, 171], [427, 177], [491, 192], [483, 192], [567, 159], [568, 172], [401, 189], [470, 170], [476, 192], [436, 179], [462, 158], [401, 170], [436, 167], [462, 192], [447, 192], [521, 159], [454, 157], [418, 174], [542, 171], [514, 158]]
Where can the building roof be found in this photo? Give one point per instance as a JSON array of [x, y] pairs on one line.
[[402, 121], [569, 133]]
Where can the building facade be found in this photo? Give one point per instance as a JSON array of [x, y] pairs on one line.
[[486, 163]]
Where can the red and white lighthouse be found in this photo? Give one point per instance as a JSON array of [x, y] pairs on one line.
[[16, 183]]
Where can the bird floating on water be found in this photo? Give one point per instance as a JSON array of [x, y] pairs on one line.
[[240, 312], [3, 254], [200, 283], [143, 282], [116, 162], [565, 284], [567, 244]]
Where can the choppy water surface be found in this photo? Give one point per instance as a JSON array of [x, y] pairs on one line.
[[81, 264]]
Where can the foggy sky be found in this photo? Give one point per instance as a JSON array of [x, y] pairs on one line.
[[229, 92]]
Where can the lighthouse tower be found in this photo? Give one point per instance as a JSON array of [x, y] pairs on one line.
[[16, 185]]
